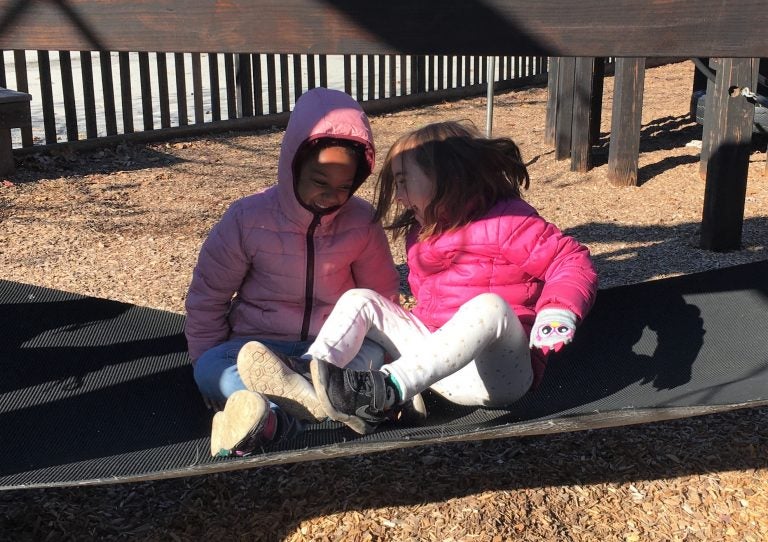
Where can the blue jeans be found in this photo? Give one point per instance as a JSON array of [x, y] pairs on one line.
[[216, 370]]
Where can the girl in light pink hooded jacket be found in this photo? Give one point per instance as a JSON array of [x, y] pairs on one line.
[[275, 265]]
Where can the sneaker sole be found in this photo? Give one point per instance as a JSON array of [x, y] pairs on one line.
[[264, 372], [319, 370], [245, 414]]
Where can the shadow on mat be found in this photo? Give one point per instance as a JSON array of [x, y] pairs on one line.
[[87, 378]]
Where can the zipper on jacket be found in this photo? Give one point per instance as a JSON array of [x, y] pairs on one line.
[[309, 287]]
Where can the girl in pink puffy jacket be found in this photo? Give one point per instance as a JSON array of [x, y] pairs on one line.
[[497, 286], [277, 262]]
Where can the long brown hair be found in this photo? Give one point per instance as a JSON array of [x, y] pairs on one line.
[[471, 174]]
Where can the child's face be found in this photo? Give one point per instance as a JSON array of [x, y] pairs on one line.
[[326, 179], [414, 188]]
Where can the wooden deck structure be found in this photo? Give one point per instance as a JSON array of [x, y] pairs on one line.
[[631, 30]]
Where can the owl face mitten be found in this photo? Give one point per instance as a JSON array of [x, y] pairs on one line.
[[553, 329]]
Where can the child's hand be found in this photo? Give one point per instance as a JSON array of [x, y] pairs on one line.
[[553, 329]]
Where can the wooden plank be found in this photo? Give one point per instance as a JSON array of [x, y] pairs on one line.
[[125, 91], [311, 75], [108, 92], [728, 164], [46, 96], [285, 86], [549, 27], [163, 90], [147, 113], [552, 102], [89, 95], [709, 134], [271, 83], [258, 99], [68, 92], [181, 88], [197, 87], [581, 159], [626, 119], [244, 85], [564, 122], [230, 83]]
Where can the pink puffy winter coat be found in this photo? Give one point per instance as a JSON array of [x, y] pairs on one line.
[[273, 269], [512, 252]]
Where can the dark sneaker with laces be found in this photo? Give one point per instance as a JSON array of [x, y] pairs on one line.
[[356, 398], [283, 379]]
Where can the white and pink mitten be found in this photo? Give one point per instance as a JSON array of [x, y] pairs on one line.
[[553, 329]]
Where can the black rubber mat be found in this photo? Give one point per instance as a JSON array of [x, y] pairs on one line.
[[96, 391]]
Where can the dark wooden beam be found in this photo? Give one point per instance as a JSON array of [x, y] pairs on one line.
[[626, 120], [630, 28], [564, 121], [728, 162], [581, 137]]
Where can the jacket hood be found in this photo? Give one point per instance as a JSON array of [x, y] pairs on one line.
[[321, 112]]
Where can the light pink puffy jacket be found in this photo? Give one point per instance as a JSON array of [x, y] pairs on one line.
[[286, 265]]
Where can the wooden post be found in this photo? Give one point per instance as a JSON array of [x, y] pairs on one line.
[[581, 143], [626, 120], [564, 122], [728, 164], [552, 101], [709, 134], [598, 80]]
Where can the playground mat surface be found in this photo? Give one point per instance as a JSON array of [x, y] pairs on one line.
[[126, 224]]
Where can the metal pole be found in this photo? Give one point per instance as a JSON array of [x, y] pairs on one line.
[[491, 76]]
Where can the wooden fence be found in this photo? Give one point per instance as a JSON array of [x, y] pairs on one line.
[[92, 97]]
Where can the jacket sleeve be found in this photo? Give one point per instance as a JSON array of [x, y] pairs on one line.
[[374, 268], [562, 264], [220, 270]]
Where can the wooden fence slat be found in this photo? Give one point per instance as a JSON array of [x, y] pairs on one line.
[[68, 94], [46, 96], [244, 85], [297, 77], [213, 77], [89, 95], [371, 66], [163, 90], [197, 88], [323, 70], [3, 80], [626, 121], [728, 164], [311, 74], [272, 83], [147, 112], [359, 78], [108, 92], [181, 87], [382, 59], [126, 95], [285, 88], [258, 99]]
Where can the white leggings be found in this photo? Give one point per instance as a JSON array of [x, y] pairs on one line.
[[479, 357]]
